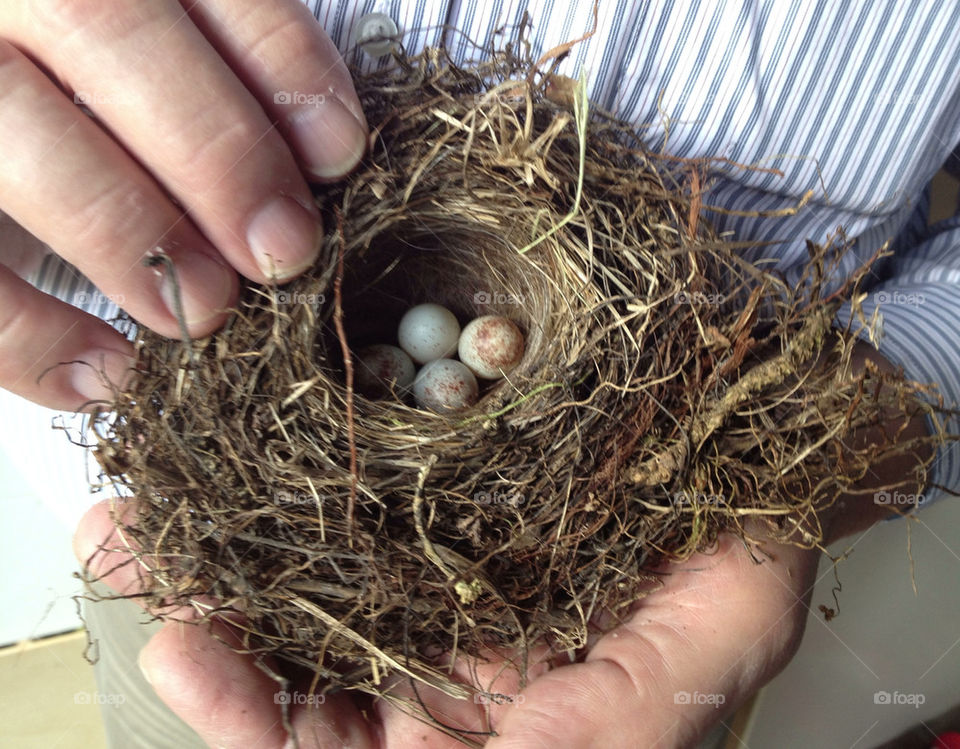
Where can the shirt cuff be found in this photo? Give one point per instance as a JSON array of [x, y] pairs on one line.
[[919, 330]]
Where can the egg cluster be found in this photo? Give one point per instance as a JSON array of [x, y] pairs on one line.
[[489, 347]]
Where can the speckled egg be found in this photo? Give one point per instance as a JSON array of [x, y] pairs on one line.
[[381, 367], [491, 346], [445, 385]]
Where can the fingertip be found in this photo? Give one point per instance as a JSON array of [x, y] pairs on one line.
[[96, 543], [329, 139], [154, 656], [216, 691], [99, 374], [284, 237], [83, 545], [199, 292]]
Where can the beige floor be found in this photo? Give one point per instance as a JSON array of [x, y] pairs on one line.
[[48, 698]]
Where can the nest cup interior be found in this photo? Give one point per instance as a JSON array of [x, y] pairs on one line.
[[471, 270]]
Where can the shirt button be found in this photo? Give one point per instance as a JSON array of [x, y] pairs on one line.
[[377, 34]]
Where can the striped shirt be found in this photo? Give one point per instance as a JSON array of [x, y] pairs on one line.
[[857, 101]]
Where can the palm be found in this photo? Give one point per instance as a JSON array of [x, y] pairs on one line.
[[719, 627]]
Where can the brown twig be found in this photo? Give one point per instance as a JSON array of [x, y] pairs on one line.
[[348, 366], [802, 347], [562, 49]]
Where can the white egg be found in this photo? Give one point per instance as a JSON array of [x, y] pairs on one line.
[[491, 346], [428, 332], [380, 367], [445, 385]]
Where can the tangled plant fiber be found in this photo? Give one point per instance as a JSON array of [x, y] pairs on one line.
[[669, 392]]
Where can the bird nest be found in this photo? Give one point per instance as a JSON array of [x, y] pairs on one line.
[[669, 391]]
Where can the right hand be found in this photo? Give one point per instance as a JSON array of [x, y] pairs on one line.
[[207, 117]]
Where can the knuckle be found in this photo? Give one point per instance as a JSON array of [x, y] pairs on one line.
[[286, 45], [63, 19], [118, 211], [214, 148]]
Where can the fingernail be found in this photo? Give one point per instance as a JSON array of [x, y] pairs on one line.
[[97, 371], [284, 239], [205, 285], [328, 138], [143, 671]]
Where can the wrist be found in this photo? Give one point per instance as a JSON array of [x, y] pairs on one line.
[[867, 502]]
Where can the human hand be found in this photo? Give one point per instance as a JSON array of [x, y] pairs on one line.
[[719, 628], [207, 116]]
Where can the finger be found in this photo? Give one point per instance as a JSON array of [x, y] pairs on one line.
[[202, 680], [108, 554], [20, 251], [70, 185], [294, 69], [500, 691], [432, 711], [111, 555], [231, 703], [54, 354], [203, 135], [721, 628]]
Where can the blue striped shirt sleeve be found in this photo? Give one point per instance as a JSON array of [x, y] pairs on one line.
[[919, 315]]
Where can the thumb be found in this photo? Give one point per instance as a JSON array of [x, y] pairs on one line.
[[690, 653]]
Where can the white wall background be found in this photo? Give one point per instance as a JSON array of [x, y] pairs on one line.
[[43, 492], [885, 639]]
